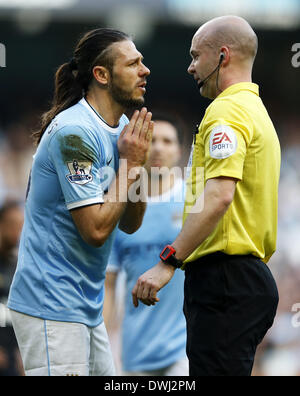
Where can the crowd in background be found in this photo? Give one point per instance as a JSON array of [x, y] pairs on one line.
[[279, 353]]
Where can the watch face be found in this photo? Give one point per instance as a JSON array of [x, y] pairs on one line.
[[165, 253]]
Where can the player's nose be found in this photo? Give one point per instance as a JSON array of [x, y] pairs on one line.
[[145, 71]]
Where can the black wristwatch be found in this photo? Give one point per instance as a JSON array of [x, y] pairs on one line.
[[167, 256]]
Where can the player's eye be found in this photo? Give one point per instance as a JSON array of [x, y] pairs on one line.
[[133, 63]]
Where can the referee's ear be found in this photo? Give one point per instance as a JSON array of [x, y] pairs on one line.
[[101, 75]]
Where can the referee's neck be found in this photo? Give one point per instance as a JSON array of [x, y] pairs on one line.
[[236, 77]]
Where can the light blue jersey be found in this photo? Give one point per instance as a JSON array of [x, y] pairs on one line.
[[59, 276], [153, 337]]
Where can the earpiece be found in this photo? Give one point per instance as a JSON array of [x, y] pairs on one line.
[[222, 56]]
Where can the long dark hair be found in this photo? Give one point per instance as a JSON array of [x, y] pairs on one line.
[[73, 78]]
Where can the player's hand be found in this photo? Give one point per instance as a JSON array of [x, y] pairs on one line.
[[149, 284], [135, 139]]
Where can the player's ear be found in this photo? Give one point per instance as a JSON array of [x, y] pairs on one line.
[[101, 74]]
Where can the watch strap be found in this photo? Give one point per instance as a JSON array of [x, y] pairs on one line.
[[172, 260]]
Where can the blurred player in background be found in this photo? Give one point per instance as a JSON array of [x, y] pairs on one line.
[[73, 206], [153, 340], [11, 222], [230, 294]]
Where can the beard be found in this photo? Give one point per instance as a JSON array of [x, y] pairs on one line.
[[124, 97]]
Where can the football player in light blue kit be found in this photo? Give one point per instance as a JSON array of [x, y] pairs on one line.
[[153, 340], [86, 147]]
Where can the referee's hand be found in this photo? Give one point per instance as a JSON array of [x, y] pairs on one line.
[[149, 284]]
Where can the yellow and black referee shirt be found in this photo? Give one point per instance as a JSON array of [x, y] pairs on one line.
[[237, 139]]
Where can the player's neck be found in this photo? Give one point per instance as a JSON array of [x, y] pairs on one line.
[[108, 109]]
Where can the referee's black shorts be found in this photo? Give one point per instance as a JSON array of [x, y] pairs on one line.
[[230, 303]]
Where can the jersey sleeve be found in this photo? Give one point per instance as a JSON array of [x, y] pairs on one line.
[[226, 134], [77, 158]]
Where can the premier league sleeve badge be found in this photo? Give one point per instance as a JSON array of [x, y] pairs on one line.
[[80, 172]]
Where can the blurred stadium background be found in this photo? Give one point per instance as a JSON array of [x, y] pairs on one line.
[[39, 35]]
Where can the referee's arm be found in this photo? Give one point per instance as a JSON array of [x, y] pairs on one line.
[[218, 195]]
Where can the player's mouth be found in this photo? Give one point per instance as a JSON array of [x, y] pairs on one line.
[[142, 86]]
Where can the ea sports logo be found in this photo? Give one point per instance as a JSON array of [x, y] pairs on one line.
[[223, 142], [220, 137]]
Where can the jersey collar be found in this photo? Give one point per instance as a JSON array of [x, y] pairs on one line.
[[243, 86], [98, 118]]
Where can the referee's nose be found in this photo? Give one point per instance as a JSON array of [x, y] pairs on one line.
[[191, 69]]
